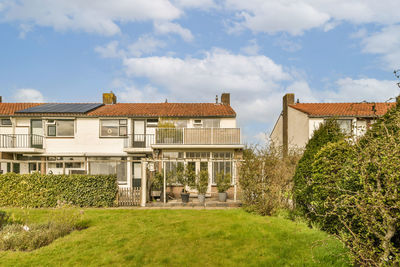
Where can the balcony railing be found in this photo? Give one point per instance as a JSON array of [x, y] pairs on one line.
[[21, 141], [185, 136], [139, 140]]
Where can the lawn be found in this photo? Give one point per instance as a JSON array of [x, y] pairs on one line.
[[134, 237]]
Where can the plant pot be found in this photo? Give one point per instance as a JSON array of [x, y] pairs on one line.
[[202, 198], [222, 196], [185, 197]]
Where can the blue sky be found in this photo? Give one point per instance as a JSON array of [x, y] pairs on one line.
[[192, 50]]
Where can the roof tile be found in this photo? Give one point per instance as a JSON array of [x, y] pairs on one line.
[[11, 108], [344, 109]]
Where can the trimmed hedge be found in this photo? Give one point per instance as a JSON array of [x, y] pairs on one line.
[[37, 190]]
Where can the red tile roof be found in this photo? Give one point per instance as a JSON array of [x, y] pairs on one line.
[[136, 109], [11, 108], [344, 109], [165, 110]]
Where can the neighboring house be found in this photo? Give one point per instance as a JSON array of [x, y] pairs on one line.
[[131, 140], [298, 121]]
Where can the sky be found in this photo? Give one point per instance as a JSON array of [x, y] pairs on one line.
[[193, 50]]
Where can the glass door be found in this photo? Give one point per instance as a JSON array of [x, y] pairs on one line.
[[36, 138], [136, 174], [139, 137]]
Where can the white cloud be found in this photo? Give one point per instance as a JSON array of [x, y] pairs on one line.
[[110, 50], [252, 48], [28, 95], [167, 27], [101, 16], [252, 80], [297, 16], [385, 43], [145, 44], [358, 90], [134, 94], [200, 4]]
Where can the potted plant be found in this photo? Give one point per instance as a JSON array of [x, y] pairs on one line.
[[186, 178], [223, 184], [202, 185], [158, 185]]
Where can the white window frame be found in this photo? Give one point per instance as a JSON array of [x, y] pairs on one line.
[[122, 122], [53, 123]]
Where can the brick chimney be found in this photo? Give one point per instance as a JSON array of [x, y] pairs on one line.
[[1, 99], [226, 99], [288, 99], [109, 98]]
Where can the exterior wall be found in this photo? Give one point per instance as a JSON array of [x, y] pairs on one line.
[[314, 124], [277, 133], [298, 130], [228, 123], [86, 140]]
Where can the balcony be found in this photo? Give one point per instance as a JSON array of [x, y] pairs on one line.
[[21, 143], [191, 137]]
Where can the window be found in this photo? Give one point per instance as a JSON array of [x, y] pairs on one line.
[[345, 126], [222, 155], [197, 155], [152, 122], [211, 123], [173, 155], [221, 166], [110, 128], [107, 165], [198, 123], [62, 128], [6, 122]]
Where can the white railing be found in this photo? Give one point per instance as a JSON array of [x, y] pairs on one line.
[[198, 136]]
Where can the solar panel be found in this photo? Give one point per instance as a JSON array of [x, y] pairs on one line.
[[61, 108]]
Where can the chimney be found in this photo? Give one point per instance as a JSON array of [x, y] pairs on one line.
[[226, 99], [288, 99], [1, 99], [109, 98]]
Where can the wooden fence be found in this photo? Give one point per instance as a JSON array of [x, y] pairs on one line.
[[129, 196]]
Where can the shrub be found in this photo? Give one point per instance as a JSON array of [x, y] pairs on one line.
[[330, 179], [223, 181], [371, 213], [329, 131], [202, 182], [37, 190], [16, 236], [266, 179], [187, 177]]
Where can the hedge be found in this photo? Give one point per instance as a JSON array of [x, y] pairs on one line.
[[37, 190]]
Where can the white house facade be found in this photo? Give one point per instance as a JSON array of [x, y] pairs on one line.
[[131, 140]]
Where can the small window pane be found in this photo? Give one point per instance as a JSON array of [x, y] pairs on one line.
[[6, 122], [51, 130], [109, 128], [122, 122], [65, 128], [122, 131]]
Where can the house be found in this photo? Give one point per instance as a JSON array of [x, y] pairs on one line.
[[298, 121], [131, 140]]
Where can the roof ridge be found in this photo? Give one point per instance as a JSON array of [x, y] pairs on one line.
[[343, 103]]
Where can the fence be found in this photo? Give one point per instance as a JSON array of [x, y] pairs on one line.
[[129, 196]]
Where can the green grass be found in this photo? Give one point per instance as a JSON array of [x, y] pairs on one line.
[[134, 237]]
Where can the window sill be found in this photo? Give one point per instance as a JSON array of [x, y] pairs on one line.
[[59, 137]]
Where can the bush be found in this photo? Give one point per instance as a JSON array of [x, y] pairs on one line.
[[329, 131], [27, 237], [330, 179], [371, 213], [37, 190], [202, 182], [223, 181], [266, 179]]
